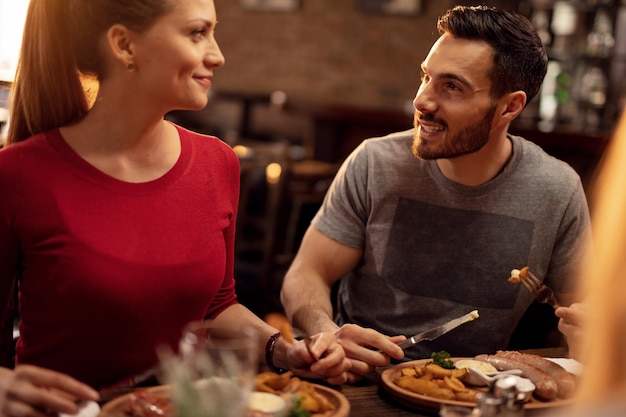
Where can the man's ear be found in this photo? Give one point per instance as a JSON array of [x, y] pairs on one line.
[[119, 41], [512, 105]]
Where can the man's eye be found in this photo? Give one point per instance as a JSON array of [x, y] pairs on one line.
[[424, 77], [453, 86]]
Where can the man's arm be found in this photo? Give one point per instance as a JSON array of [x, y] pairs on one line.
[[306, 297], [306, 292]]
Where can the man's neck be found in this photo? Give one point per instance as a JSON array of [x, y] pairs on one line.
[[479, 167]]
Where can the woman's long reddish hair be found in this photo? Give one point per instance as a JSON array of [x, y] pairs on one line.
[[604, 277], [61, 57]]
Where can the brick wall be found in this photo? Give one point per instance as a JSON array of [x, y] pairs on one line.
[[328, 51]]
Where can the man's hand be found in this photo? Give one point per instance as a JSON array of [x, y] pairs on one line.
[[367, 349]]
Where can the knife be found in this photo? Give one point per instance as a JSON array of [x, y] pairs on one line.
[[149, 377], [434, 333]]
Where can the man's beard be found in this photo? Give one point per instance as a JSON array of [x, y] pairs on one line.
[[471, 139]]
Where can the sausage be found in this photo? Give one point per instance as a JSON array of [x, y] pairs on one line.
[[564, 380], [545, 385]]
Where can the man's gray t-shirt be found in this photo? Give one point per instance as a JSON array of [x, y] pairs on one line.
[[434, 249]]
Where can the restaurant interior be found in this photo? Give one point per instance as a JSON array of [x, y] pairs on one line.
[[306, 81]]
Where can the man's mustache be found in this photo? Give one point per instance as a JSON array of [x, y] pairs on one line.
[[431, 118]]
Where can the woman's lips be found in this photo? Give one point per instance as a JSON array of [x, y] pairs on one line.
[[205, 81]]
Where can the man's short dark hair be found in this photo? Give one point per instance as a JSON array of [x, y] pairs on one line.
[[520, 60]]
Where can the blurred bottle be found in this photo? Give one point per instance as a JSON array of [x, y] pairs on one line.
[[563, 25], [600, 40], [541, 21], [548, 104], [593, 87]]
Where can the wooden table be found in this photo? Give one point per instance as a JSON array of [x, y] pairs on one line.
[[371, 400]]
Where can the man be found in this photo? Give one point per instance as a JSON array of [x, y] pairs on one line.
[[426, 225]]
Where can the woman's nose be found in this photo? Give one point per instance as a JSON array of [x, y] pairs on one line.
[[214, 57]]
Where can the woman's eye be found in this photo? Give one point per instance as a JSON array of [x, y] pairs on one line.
[[199, 33]]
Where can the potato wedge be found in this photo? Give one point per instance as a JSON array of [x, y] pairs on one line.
[[437, 371], [469, 395], [427, 377], [443, 393], [454, 384], [417, 385], [460, 374]]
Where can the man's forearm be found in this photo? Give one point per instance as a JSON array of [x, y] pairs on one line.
[[312, 319], [307, 303]]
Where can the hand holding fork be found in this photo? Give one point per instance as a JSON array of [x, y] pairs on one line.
[[538, 289]]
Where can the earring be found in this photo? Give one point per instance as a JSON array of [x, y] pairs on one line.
[[130, 66]]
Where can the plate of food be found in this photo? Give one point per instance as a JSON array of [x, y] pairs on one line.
[[426, 386], [317, 400]]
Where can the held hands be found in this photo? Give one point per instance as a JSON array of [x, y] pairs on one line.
[[324, 358], [30, 391], [367, 349]]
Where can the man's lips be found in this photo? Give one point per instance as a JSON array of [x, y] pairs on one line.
[[430, 127]]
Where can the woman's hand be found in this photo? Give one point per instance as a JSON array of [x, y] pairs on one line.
[[30, 391], [367, 349], [324, 358], [571, 322]]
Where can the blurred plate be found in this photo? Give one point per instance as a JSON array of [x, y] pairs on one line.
[[116, 407], [570, 365], [430, 404], [119, 405], [342, 406]]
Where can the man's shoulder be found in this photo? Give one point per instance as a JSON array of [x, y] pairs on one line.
[[393, 142], [395, 137], [538, 159]]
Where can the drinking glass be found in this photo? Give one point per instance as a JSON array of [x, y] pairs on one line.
[[216, 371]]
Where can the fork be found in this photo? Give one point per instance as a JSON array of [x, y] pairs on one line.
[[542, 292]]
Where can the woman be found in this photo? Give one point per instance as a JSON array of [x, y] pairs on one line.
[[118, 225], [596, 329]]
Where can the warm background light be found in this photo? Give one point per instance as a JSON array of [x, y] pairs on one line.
[[12, 15], [272, 173]]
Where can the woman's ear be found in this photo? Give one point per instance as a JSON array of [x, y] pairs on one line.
[[512, 105], [119, 41]]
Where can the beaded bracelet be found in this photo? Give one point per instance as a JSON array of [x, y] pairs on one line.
[[269, 354]]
